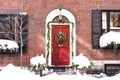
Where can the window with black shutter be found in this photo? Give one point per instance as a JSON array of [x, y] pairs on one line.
[[104, 21]]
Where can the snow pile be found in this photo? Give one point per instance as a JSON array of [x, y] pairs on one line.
[[10, 72], [37, 63], [82, 61], [38, 60], [109, 37], [4, 44], [55, 76]]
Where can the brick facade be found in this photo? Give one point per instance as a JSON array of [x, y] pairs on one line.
[[37, 12]]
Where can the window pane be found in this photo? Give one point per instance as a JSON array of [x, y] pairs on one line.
[[6, 27], [114, 20], [104, 22]]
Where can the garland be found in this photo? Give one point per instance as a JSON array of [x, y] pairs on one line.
[[48, 43], [60, 38]]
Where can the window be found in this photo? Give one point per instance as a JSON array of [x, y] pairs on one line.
[[110, 21], [114, 19], [10, 23], [104, 21], [7, 27]]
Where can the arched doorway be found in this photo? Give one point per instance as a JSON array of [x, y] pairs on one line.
[[60, 38]]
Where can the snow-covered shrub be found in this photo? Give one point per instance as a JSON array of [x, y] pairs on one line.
[[81, 63], [36, 63]]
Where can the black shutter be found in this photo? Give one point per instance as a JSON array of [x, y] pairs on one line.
[[96, 28]]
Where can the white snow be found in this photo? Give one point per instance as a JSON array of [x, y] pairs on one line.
[[11, 72], [109, 37], [10, 44], [38, 60], [82, 61]]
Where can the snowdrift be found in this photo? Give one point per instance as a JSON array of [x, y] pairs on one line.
[[11, 72]]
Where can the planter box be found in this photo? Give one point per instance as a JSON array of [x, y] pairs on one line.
[[111, 47], [7, 51]]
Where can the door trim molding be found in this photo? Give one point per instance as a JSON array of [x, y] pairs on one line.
[[48, 42], [71, 22]]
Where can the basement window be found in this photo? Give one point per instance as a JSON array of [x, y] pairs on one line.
[[112, 69]]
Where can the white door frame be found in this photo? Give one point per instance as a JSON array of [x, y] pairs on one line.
[[72, 24]]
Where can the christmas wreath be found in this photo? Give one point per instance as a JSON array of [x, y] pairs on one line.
[[60, 38]]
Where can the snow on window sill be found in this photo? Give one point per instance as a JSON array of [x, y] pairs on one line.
[[8, 46]]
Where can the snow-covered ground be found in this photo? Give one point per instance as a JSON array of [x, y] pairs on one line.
[[11, 72]]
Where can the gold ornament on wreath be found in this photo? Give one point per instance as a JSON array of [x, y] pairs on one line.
[[60, 38]]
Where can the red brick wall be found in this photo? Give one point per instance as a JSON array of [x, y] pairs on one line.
[[38, 11]]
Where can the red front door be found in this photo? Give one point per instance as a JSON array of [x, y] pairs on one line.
[[60, 53]]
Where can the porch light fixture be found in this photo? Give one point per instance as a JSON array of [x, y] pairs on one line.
[[60, 16]]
